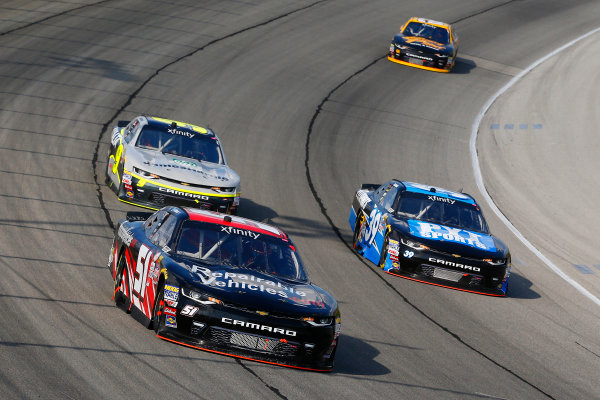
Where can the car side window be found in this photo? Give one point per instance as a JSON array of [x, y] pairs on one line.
[[153, 222], [385, 196], [163, 234], [131, 129], [387, 201], [379, 193]]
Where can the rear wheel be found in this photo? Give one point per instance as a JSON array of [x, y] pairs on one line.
[[358, 229], [119, 274]]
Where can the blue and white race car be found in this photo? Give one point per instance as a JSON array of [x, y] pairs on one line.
[[429, 234]]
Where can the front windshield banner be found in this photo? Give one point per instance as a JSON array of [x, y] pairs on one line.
[[211, 244]]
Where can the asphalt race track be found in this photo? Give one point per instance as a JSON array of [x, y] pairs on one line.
[[308, 108]]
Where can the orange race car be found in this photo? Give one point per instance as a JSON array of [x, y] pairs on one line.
[[426, 44]]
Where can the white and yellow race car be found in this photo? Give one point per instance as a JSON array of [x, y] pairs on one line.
[[153, 162]]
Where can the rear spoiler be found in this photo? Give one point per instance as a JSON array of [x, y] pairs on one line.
[[137, 216], [370, 186]]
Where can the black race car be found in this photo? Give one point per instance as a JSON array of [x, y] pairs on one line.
[[223, 284], [425, 44], [429, 234]]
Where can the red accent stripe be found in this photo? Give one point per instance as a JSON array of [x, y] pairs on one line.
[[115, 293], [444, 286], [244, 358], [218, 219]]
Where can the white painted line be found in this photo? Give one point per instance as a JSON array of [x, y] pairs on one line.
[[479, 178]]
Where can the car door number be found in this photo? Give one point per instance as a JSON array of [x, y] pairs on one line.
[[373, 227], [145, 257]]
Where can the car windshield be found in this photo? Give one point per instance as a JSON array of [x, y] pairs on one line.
[[431, 32], [187, 144], [454, 213], [237, 247]]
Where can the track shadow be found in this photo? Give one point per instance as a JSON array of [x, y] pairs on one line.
[[357, 357], [292, 225], [519, 287], [463, 66], [255, 211]]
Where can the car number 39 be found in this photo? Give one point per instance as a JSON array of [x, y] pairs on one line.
[[408, 253]]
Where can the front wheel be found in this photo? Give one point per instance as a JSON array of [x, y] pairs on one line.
[[159, 308], [384, 252]]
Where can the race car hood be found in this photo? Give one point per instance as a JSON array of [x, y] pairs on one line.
[[260, 291], [182, 169], [425, 45], [453, 240]]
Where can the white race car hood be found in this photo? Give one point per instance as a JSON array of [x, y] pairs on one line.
[[183, 169]]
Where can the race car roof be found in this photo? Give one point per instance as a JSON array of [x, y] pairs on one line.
[[438, 191], [430, 22], [235, 222]]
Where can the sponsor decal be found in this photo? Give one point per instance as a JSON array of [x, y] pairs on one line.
[[186, 163], [171, 293], [126, 179], [454, 264], [426, 188], [242, 232], [183, 194], [175, 131], [116, 136], [445, 233], [393, 249], [248, 282], [170, 311], [125, 235], [170, 321], [363, 198], [309, 302], [154, 270], [129, 194], [442, 199], [258, 327]]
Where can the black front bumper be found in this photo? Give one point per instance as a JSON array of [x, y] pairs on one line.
[[311, 348]]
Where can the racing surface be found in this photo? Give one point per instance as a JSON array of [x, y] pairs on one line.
[[307, 108]]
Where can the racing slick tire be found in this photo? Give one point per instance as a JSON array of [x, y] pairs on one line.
[[119, 274], [384, 251], [360, 221], [158, 310]]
